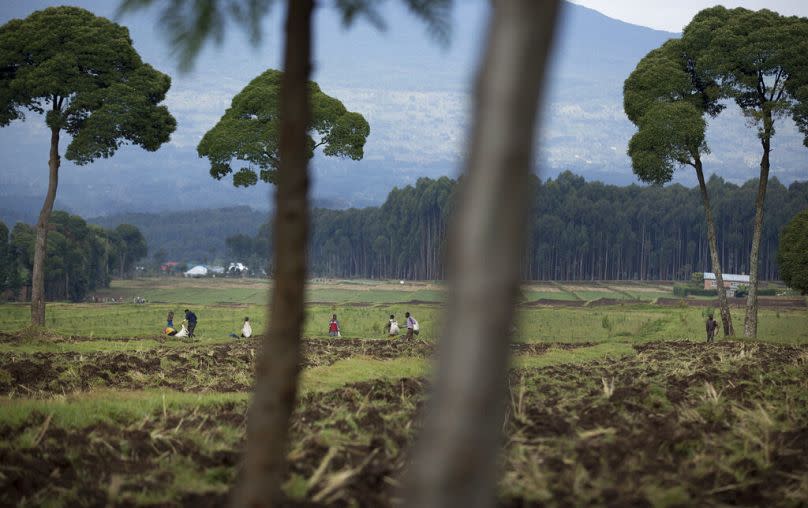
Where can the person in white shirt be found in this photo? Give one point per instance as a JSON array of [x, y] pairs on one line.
[[246, 329], [392, 327]]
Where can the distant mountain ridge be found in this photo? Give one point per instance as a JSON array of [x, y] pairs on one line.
[[415, 95]]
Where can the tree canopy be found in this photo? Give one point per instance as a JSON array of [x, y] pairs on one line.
[[666, 98], [80, 256], [758, 59], [248, 133], [83, 72], [792, 257]]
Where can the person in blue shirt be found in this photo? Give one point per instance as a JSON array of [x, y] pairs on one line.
[[169, 329], [191, 318]]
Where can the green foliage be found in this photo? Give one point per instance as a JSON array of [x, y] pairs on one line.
[[684, 291], [10, 280], [578, 231], [191, 235], [79, 257], [127, 247], [666, 98], [792, 256], [84, 72], [758, 58], [249, 131]]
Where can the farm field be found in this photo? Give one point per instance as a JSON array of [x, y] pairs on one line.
[[620, 404]]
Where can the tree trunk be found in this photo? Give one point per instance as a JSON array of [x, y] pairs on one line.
[[455, 461], [277, 366], [750, 320], [41, 245], [726, 318]]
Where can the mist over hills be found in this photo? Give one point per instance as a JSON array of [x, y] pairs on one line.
[[415, 95]]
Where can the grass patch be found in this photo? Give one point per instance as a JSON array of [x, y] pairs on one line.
[[574, 356], [358, 369], [111, 406]]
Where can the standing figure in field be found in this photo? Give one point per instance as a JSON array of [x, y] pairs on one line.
[[333, 327], [711, 327], [191, 318], [246, 328], [169, 329], [412, 326], [392, 327]]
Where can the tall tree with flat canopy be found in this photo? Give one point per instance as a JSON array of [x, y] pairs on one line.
[[83, 73], [248, 131], [191, 23], [666, 97], [759, 59]]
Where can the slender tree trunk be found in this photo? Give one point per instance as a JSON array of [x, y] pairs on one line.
[[455, 462], [277, 366], [750, 320], [726, 318], [41, 245]]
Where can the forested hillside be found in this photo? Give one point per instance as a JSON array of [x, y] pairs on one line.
[[579, 231], [80, 257], [189, 235]]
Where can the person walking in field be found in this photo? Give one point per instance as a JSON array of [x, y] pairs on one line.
[[392, 327], [333, 327], [412, 326], [191, 318], [712, 326]]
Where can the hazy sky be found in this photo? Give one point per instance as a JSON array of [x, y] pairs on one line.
[[673, 16]]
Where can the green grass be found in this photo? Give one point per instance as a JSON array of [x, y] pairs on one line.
[[112, 406], [574, 356], [130, 320], [629, 322], [358, 369]]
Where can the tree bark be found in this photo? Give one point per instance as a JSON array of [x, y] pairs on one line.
[[277, 366], [726, 318], [41, 244], [750, 320], [455, 461]]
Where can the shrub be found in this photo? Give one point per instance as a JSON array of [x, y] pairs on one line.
[[683, 291]]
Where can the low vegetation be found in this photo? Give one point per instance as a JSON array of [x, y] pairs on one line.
[[608, 404]]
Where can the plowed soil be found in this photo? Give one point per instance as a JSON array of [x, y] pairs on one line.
[[221, 368], [678, 424]]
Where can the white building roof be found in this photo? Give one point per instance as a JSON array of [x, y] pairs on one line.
[[728, 277], [197, 270]]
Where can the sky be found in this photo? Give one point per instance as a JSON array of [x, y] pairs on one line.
[[414, 92], [673, 16]]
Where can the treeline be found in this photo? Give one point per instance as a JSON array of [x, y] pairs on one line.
[[578, 230], [80, 257], [192, 236]]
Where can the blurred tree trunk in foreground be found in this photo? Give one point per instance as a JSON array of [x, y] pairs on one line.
[[277, 366], [455, 461]]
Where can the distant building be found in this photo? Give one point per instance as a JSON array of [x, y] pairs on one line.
[[731, 280], [169, 266], [236, 268], [197, 271]]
